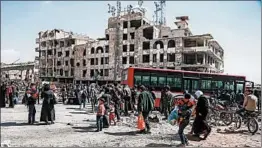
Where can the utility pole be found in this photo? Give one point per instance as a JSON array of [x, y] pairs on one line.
[[117, 42], [160, 7]]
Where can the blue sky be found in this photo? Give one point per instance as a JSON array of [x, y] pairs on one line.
[[236, 25]]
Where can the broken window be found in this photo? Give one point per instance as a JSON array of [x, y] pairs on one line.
[[67, 53], [84, 73], [154, 58], [62, 44], [66, 63], [73, 53], [125, 24], [49, 52], [55, 52], [124, 60], [148, 33], [132, 35], [99, 48], [92, 72], [59, 63], [92, 50], [96, 61], [72, 72], [84, 53], [61, 72], [92, 61], [72, 62], [158, 45], [66, 73], [124, 48], [106, 49], [106, 72], [131, 47], [145, 58], [55, 43], [84, 62], [77, 64], [162, 57], [43, 44], [171, 43], [102, 61], [171, 57], [146, 45], [131, 60], [107, 37], [135, 23], [106, 60], [189, 58], [124, 36]]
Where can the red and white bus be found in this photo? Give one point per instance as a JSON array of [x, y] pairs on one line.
[[179, 80]]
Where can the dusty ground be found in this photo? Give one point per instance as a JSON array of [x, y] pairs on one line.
[[80, 132]]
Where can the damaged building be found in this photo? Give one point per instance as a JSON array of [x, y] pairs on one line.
[[56, 54], [143, 44], [130, 40]]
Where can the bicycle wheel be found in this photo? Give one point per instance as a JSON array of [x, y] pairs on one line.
[[227, 118], [237, 121], [252, 125]]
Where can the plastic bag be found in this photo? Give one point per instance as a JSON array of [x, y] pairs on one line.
[[173, 116], [140, 122]]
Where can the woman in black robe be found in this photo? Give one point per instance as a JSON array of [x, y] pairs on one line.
[[48, 108]]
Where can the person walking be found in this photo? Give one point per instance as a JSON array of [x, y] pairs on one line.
[[200, 124], [32, 96], [145, 106], [48, 107]]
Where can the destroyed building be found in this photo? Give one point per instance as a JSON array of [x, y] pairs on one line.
[[142, 44], [130, 40], [56, 55]]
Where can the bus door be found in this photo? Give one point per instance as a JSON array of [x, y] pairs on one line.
[[191, 84]]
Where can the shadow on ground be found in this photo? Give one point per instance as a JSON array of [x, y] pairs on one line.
[[77, 112], [193, 138], [132, 133], [158, 145], [85, 129], [8, 124], [227, 131]]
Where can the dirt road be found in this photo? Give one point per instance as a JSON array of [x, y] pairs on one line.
[[76, 128]]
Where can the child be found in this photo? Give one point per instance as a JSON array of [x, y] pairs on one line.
[[100, 113], [112, 113]]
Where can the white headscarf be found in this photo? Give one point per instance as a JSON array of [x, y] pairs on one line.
[[198, 93]]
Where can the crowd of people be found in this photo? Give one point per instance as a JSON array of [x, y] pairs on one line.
[[111, 100]]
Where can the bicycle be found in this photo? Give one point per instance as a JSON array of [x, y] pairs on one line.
[[249, 118]]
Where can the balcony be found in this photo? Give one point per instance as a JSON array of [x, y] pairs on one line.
[[37, 40], [36, 49], [37, 58]]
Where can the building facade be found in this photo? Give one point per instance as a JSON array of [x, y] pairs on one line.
[[56, 54], [142, 44], [130, 40]]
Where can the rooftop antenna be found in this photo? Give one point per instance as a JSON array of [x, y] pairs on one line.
[[111, 9], [156, 13], [162, 11], [140, 3], [129, 8]]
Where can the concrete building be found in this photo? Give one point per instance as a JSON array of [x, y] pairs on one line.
[[56, 55], [19, 71], [142, 44]]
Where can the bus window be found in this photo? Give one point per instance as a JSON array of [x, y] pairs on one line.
[[137, 80], [161, 81], [217, 84], [153, 81], [146, 80], [171, 82], [240, 86], [195, 85], [229, 85], [205, 84]]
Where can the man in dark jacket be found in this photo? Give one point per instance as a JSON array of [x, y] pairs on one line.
[[165, 100], [32, 96], [145, 106], [240, 98], [117, 100], [3, 94], [48, 109], [200, 124]]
